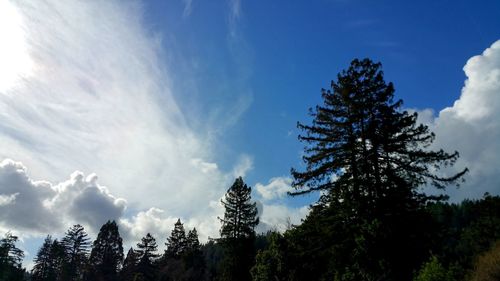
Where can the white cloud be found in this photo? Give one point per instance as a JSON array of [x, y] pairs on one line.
[[153, 221], [275, 215], [472, 126], [15, 63], [275, 189], [245, 164], [280, 217], [99, 100], [39, 207], [8, 199]]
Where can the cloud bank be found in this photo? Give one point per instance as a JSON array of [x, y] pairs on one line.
[[39, 207], [472, 126]]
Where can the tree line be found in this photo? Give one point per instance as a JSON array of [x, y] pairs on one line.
[[369, 158]]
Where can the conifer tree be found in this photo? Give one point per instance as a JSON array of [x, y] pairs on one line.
[[237, 232], [106, 256], [240, 216], [194, 262], [369, 158], [192, 242], [42, 268], [270, 263], [361, 144], [176, 243], [146, 252], [76, 244], [49, 261], [10, 259], [129, 265]]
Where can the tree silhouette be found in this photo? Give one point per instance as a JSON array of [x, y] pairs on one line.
[[146, 252], [370, 158], [76, 244], [237, 232], [176, 243], [106, 256], [10, 259]]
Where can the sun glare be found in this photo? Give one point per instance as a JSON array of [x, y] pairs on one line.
[[15, 61]]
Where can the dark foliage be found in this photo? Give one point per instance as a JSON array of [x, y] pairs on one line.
[[183, 259], [146, 254], [237, 232], [76, 247], [369, 159], [10, 259], [106, 256]]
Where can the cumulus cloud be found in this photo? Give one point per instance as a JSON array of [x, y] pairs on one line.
[[280, 217], [273, 213], [275, 189], [8, 199], [40, 207], [472, 126]]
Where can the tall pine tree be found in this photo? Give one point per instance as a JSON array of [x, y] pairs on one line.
[[237, 232], [369, 158], [76, 244], [176, 243], [106, 256], [10, 259], [129, 265], [146, 252], [42, 268], [240, 215]]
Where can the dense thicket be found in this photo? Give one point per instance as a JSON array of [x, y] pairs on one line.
[[369, 158]]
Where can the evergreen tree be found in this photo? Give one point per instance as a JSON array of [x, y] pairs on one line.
[[193, 260], [76, 244], [237, 232], [176, 243], [240, 216], [192, 242], [42, 268], [146, 252], [58, 261], [270, 263], [106, 256], [369, 158], [49, 261], [129, 265], [10, 259]]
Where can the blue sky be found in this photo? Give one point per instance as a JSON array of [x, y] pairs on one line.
[[282, 54], [146, 111]]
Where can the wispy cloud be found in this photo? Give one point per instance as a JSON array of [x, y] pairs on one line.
[[188, 8], [99, 100], [234, 17]]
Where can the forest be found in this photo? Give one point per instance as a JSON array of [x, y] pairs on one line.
[[368, 158]]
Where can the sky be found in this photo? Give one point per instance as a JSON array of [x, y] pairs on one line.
[[146, 111]]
